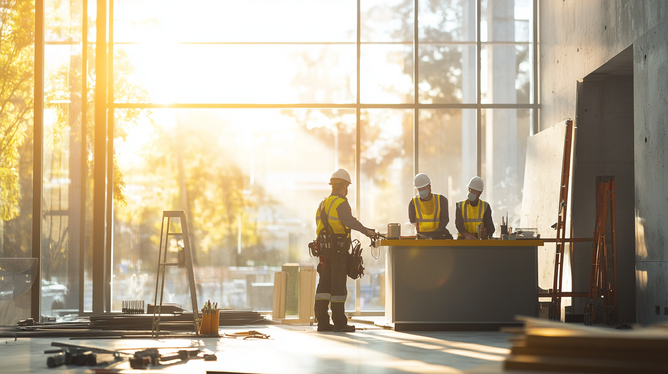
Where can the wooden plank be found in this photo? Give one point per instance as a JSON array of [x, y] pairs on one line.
[[578, 365], [280, 282], [306, 293]]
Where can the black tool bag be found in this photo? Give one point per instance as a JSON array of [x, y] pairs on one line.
[[355, 261]]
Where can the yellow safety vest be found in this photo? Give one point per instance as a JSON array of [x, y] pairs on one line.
[[427, 213], [472, 215], [330, 205]]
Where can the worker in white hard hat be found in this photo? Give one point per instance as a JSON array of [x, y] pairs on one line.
[[335, 220], [429, 211], [474, 216]]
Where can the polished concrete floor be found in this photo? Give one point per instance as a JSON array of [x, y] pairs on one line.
[[290, 349]]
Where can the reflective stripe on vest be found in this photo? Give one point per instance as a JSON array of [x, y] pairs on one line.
[[472, 215], [427, 222], [331, 203]]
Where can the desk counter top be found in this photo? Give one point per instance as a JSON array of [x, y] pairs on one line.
[[460, 243]]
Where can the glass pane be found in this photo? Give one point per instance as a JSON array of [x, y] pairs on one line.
[[235, 21], [16, 159], [507, 20], [447, 74], [63, 20], [386, 188], [179, 73], [87, 176], [62, 165], [387, 74], [506, 74], [504, 137], [447, 153], [447, 20], [387, 21], [265, 170]]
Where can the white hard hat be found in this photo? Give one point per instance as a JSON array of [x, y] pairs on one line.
[[421, 180], [341, 174], [477, 184]]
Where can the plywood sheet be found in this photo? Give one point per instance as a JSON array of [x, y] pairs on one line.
[[540, 195]]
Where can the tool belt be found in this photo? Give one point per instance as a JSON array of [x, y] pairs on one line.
[[328, 243], [354, 261]]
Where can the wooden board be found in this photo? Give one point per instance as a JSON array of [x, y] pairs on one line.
[[280, 282], [553, 346], [540, 195]]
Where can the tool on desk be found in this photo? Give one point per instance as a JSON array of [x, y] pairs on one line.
[[504, 225], [393, 230]]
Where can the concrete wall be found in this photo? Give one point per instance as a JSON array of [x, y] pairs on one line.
[[577, 38], [604, 146], [650, 64]]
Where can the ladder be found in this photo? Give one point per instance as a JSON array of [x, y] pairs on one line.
[[166, 237], [555, 306], [599, 285]]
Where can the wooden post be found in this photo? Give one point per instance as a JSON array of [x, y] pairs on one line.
[[280, 282], [306, 293]]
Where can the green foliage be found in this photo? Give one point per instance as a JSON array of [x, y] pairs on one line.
[[16, 96]]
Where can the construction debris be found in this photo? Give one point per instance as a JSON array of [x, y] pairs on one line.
[[251, 334], [71, 354]]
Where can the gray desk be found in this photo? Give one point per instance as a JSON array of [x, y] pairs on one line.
[[460, 285]]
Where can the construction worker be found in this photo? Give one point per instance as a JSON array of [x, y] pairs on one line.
[[428, 211], [474, 216], [334, 222]]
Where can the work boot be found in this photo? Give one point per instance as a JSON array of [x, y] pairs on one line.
[[344, 328], [325, 327], [322, 314], [338, 314]]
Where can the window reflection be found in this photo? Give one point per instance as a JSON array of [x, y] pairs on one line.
[[443, 156], [386, 187], [250, 181], [505, 133]]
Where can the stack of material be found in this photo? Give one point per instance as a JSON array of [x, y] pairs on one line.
[[555, 346], [178, 322], [120, 325]]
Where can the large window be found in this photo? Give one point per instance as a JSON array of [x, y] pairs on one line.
[[237, 112]]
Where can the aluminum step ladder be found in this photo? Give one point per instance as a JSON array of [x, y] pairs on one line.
[[170, 238]]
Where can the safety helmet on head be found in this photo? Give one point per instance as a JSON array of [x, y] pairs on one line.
[[421, 180], [340, 174], [477, 184]]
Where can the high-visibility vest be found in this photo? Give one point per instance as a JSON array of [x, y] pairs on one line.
[[427, 213], [330, 205], [472, 215]]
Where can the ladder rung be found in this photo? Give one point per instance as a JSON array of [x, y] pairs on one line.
[[174, 233], [169, 264]]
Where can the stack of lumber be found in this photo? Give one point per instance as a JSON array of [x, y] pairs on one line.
[[178, 322], [119, 325], [553, 346]]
